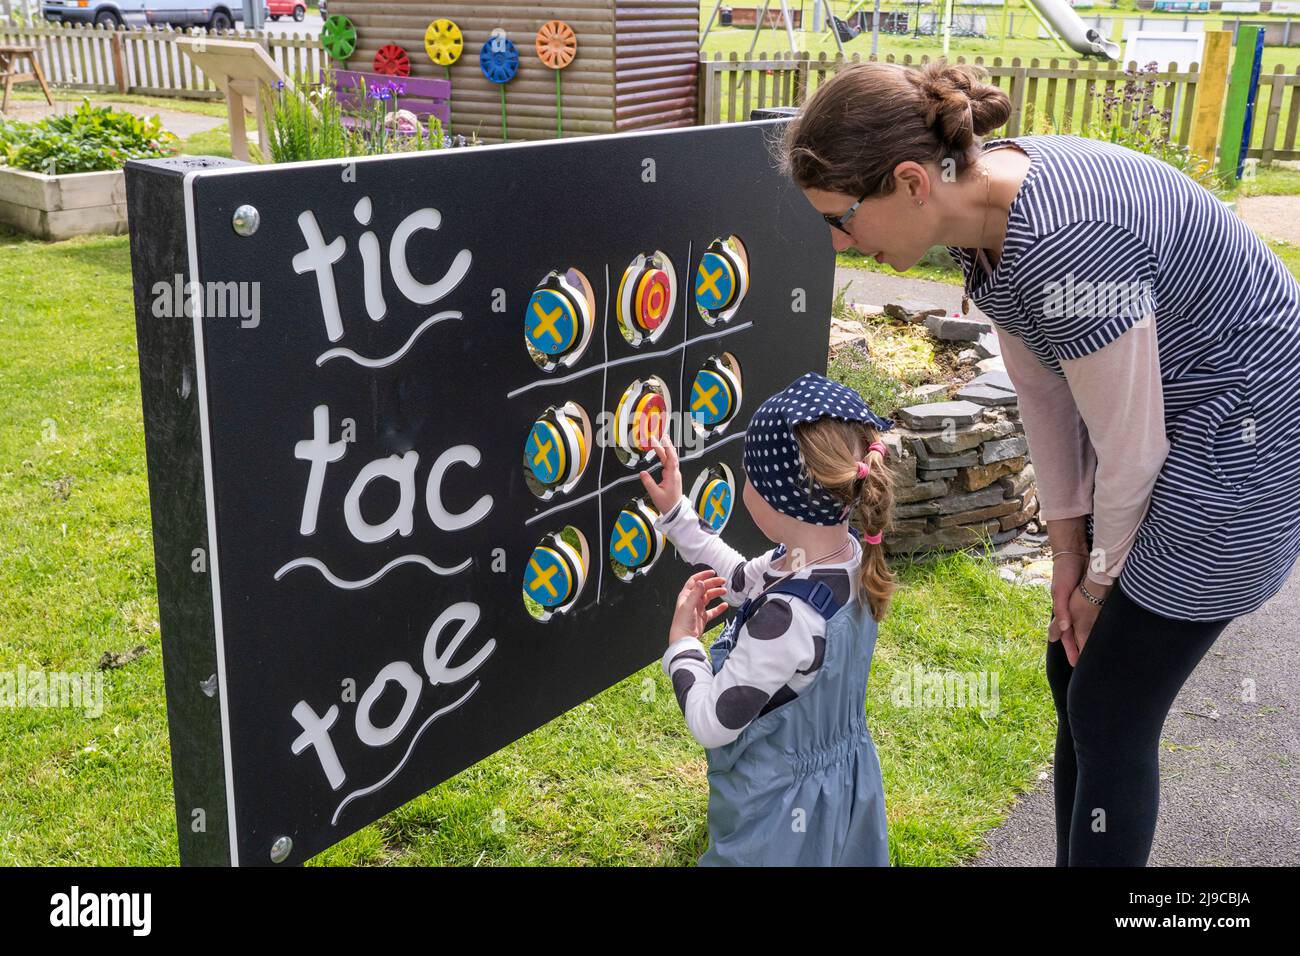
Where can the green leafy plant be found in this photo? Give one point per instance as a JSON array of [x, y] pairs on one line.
[[88, 139], [305, 121], [1130, 118]]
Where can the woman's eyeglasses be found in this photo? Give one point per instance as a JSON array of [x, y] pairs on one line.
[[841, 222]]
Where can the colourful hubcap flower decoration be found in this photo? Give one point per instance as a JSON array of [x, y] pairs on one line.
[[499, 59], [556, 44], [443, 42], [391, 60], [338, 36]]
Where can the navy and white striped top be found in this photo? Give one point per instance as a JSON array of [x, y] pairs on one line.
[[1223, 527]]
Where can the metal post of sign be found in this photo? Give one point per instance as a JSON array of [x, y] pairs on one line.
[[254, 14]]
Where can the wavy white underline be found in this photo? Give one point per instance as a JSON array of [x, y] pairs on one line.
[[406, 756], [387, 359], [641, 357], [338, 582]]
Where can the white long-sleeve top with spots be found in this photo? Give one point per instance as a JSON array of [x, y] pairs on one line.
[[779, 649]]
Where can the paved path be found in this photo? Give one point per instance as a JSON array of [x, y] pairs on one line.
[[184, 124], [1274, 217], [879, 288], [309, 27], [1229, 768]]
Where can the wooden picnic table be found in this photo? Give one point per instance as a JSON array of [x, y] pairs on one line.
[[10, 54]]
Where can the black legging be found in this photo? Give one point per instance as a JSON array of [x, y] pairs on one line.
[[1110, 710]]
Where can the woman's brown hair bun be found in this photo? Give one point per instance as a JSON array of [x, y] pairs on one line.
[[861, 123], [959, 105]]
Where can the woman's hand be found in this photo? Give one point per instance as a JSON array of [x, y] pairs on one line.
[[693, 615], [668, 491], [1083, 613], [1067, 572]]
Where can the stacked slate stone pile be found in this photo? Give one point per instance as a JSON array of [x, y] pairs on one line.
[[963, 468]]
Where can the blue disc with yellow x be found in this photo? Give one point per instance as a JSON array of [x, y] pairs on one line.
[[548, 579], [711, 398], [715, 282], [545, 452], [629, 542], [715, 503], [551, 324]]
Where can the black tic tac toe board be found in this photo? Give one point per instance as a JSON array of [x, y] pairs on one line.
[[336, 428]]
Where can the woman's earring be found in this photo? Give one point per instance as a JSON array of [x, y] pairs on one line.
[[920, 202]]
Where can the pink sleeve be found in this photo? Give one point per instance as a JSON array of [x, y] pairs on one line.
[[1118, 392], [1058, 439]]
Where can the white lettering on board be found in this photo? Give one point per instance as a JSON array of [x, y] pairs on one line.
[[437, 667], [444, 519], [320, 451], [319, 258], [413, 288], [402, 521]]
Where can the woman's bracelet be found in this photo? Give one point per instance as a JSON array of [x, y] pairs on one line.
[[1056, 554], [1089, 596]]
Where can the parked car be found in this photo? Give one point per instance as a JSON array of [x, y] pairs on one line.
[[213, 14], [275, 9]]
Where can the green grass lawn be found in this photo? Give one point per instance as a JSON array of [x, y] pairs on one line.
[[616, 780]]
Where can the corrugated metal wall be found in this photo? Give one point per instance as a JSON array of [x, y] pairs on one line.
[[636, 65], [658, 57]]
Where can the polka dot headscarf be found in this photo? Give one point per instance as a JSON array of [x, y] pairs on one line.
[[773, 462]]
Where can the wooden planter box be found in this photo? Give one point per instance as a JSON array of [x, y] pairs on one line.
[[58, 207]]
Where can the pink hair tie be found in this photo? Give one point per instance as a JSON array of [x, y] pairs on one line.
[[864, 466], [872, 538]]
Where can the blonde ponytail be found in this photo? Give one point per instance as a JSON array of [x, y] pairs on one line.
[[831, 450]]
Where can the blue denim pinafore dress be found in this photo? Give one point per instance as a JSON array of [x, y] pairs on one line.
[[801, 784]]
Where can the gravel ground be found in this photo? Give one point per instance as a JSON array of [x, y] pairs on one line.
[[1275, 217]]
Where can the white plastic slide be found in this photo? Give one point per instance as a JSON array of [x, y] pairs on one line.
[[1059, 17]]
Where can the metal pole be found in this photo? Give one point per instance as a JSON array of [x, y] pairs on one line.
[[709, 26], [254, 14], [789, 24], [758, 27], [830, 18]]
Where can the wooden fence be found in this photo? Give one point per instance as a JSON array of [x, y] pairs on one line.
[[146, 60], [1052, 96], [1046, 96]]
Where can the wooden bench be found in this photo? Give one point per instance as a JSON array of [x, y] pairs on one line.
[[423, 96], [10, 54]]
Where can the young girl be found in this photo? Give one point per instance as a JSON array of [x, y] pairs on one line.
[[779, 703]]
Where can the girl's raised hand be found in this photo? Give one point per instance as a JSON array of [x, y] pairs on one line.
[[668, 490], [693, 614]]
